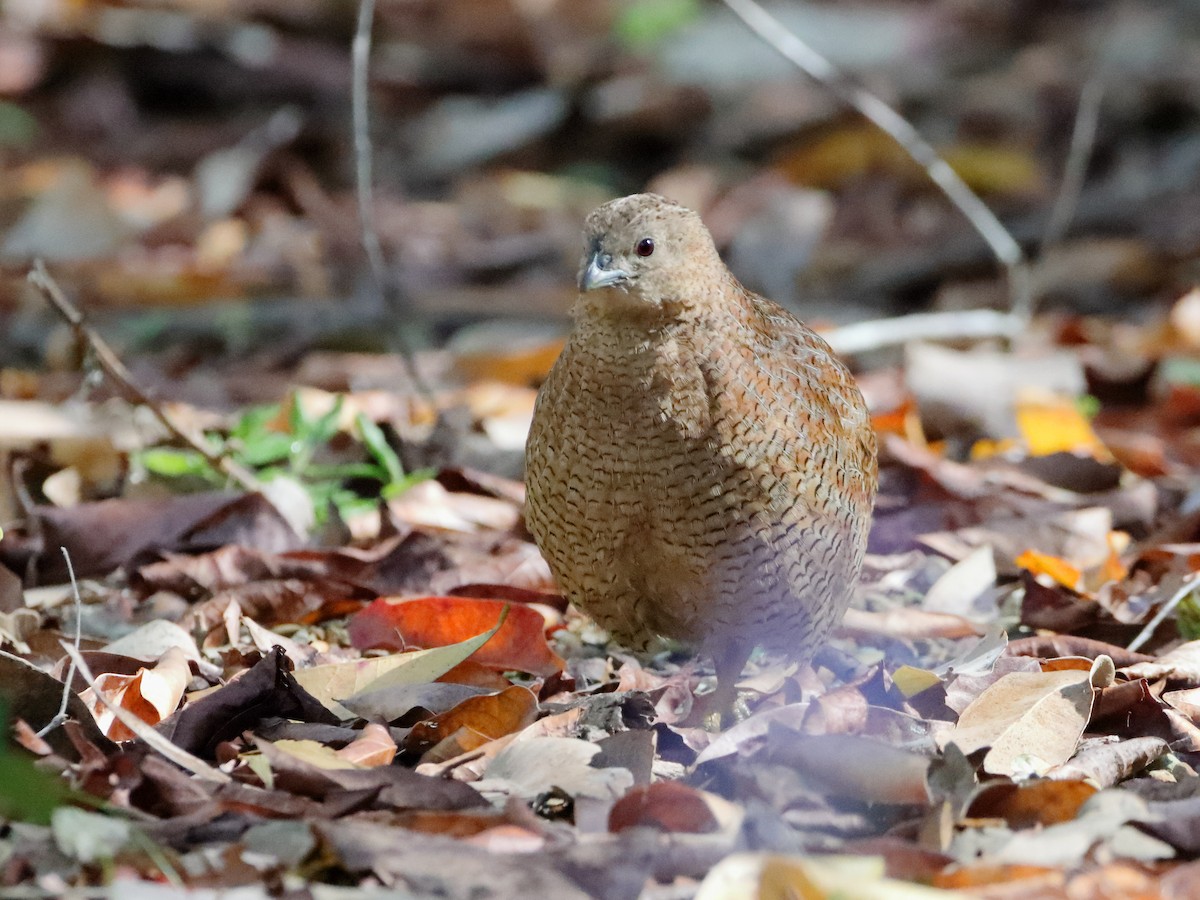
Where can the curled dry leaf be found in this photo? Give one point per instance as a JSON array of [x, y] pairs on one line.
[[1103, 819], [316, 754], [533, 766], [959, 587], [429, 505], [151, 694], [1055, 568], [1180, 664], [1105, 765], [846, 765]]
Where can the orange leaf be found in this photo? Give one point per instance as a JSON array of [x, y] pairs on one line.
[[1114, 569], [489, 717], [1057, 569], [1030, 804], [982, 875], [437, 621], [904, 420]]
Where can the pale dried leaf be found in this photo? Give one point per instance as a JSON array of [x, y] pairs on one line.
[[1031, 720]]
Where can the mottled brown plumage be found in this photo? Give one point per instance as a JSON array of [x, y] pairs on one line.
[[700, 466]]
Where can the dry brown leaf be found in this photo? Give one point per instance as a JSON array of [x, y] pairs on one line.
[[151, 694], [374, 748], [1032, 721]]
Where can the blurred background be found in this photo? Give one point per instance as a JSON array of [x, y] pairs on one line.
[[187, 170], [193, 161]]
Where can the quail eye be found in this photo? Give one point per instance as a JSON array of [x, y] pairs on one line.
[[645, 247]]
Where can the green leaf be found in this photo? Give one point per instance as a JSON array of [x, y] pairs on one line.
[[1088, 406], [350, 504], [27, 793], [265, 448], [1188, 621], [311, 434], [376, 443], [174, 462], [253, 422], [326, 426], [647, 22], [297, 420]]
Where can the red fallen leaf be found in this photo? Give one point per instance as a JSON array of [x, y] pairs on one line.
[[1031, 804], [665, 805], [511, 592], [424, 622]]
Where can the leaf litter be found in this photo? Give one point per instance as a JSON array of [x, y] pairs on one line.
[[977, 716]]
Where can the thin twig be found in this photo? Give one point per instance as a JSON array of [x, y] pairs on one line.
[[1189, 585], [116, 370], [61, 716], [154, 739], [1083, 140], [808, 60], [862, 337], [360, 54]]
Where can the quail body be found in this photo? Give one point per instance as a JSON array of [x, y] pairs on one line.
[[700, 466]]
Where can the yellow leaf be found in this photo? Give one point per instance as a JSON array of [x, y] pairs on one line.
[[986, 448], [830, 158], [910, 680], [1052, 424], [995, 168]]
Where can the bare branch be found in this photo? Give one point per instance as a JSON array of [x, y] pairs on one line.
[[365, 180], [808, 60], [363, 151], [112, 366], [1083, 139], [1189, 586], [61, 716]]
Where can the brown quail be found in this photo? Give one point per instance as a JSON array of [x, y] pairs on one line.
[[700, 467]]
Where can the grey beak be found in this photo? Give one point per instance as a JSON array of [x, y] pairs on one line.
[[599, 273]]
